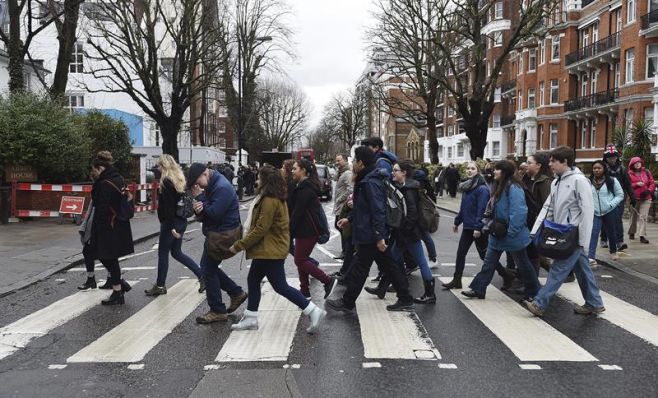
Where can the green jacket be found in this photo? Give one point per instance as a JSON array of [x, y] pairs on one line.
[[269, 236]]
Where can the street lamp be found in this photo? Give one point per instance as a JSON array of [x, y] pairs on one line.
[[258, 40]]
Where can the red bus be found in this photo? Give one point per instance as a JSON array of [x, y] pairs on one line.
[[306, 153]]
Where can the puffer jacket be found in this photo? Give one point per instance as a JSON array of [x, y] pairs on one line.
[[606, 201], [511, 207], [304, 204], [644, 192], [368, 216]]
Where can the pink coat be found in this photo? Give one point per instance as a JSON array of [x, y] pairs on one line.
[[645, 177]]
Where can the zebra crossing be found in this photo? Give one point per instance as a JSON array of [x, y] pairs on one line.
[[383, 335]]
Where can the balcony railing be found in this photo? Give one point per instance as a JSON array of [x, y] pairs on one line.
[[598, 47], [507, 120], [648, 19], [508, 85], [591, 101]]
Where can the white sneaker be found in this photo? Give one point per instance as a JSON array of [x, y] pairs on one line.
[[316, 314], [249, 321], [434, 264]]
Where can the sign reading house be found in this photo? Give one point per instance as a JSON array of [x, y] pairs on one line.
[[20, 173]]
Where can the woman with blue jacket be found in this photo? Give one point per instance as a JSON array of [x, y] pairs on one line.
[[608, 194], [475, 196], [508, 232]]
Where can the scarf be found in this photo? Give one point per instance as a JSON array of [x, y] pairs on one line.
[[247, 224], [471, 183]]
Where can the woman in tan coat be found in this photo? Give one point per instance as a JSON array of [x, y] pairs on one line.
[[266, 241]]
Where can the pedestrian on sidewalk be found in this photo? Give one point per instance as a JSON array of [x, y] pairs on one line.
[[475, 196], [607, 195], [305, 225], [111, 236], [643, 187], [344, 188], [369, 236], [507, 211], [571, 202], [172, 225], [266, 240], [217, 206], [616, 170], [452, 180], [439, 181]]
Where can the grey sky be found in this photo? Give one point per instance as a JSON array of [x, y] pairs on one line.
[[330, 37]]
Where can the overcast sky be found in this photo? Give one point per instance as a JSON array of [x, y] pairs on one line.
[[330, 38]]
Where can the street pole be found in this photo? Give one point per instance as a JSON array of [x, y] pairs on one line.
[[239, 102]]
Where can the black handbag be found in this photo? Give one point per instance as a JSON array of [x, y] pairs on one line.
[[556, 241]]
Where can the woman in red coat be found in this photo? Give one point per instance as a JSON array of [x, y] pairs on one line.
[[643, 187]]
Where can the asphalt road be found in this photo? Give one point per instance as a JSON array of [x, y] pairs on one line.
[[476, 358]]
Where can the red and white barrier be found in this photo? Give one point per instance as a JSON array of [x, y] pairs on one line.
[[53, 187]]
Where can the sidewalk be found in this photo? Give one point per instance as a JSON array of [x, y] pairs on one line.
[[34, 250], [638, 260]]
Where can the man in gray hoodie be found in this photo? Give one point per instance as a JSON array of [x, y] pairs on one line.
[[570, 202]]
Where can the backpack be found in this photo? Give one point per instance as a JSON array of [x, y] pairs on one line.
[[185, 205], [428, 213], [322, 229], [126, 207], [396, 208], [533, 208]]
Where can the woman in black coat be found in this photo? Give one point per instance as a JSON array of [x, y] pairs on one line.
[[111, 237]]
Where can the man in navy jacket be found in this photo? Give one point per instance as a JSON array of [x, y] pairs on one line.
[[369, 235], [217, 206]]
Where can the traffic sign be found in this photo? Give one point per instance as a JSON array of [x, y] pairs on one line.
[[72, 205]]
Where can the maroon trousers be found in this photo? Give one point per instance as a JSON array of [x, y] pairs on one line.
[[303, 249]]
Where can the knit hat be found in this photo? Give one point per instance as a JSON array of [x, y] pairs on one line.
[[196, 169]]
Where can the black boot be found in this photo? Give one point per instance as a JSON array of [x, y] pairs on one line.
[[429, 297], [455, 283], [115, 298], [380, 290], [89, 284], [125, 286], [107, 285]]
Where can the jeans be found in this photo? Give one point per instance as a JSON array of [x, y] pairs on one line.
[[608, 223], [465, 241], [618, 213], [291, 250], [216, 281], [166, 244], [306, 267], [273, 270], [526, 271], [365, 255], [558, 274], [429, 244], [415, 249]]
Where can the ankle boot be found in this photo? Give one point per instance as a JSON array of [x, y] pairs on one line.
[[107, 285], [115, 298], [455, 283], [89, 284], [316, 314], [380, 290], [429, 297], [125, 286], [249, 321]]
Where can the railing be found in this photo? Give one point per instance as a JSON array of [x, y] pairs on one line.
[[598, 47], [508, 85], [648, 19], [591, 101], [507, 120]]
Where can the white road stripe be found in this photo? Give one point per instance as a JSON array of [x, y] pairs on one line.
[[325, 251], [136, 336], [393, 335], [453, 264], [17, 335], [277, 325], [122, 269], [635, 320], [528, 337]]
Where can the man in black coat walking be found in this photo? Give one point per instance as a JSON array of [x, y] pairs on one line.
[[452, 180]]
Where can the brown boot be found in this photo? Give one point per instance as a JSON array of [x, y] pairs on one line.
[[210, 317], [236, 301]]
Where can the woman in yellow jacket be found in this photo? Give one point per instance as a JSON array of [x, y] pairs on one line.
[[266, 241]]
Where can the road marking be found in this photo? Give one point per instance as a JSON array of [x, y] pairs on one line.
[[453, 264], [17, 335], [136, 336], [325, 251], [606, 276], [331, 264], [529, 366], [134, 366], [211, 367], [635, 320], [528, 337], [610, 367], [393, 335], [135, 255], [370, 365], [60, 280], [447, 366], [192, 230], [57, 366], [277, 326]]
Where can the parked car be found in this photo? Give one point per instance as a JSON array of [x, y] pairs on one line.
[[325, 181]]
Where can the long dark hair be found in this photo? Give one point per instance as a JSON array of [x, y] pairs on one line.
[[542, 158], [272, 183], [508, 177], [606, 177], [311, 172]]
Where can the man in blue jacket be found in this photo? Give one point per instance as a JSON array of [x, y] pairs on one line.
[[369, 235], [217, 206]]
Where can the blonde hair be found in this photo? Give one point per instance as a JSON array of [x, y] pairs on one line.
[[171, 170]]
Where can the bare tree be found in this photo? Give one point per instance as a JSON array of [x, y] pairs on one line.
[[160, 53], [283, 112], [345, 117], [322, 140]]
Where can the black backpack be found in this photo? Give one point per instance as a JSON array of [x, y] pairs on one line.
[[428, 213], [396, 208], [126, 207], [185, 205]]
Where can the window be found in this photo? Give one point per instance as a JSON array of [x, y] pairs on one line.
[[439, 132], [595, 32], [496, 120], [652, 60], [583, 85], [542, 53], [75, 101], [553, 137], [648, 116], [585, 38], [554, 92], [630, 11], [540, 131], [519, 102], [449, 153], [460, 150], [451, 111], [594, 76], [592, 134], [531, 98], [583, 134], [617, 74], [77, 58], [630, 65], [618, 13], [451, 131], [629, 116], [555, 48], [496, 148], [532, 60], [541, 93], [440, 151], [499, 10], [498, 39], [521, 63]]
